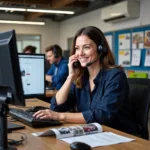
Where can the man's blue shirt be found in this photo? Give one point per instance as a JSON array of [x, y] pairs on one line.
[[106, 104], [59, 78]]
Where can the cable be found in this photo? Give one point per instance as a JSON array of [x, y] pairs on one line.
[[18, 142]]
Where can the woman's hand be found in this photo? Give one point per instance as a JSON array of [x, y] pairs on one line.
[[72, 72], [46, 114]]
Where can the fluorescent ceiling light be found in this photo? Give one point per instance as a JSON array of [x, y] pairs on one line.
[[37, 10], [22, 22], [51, 11], [12, 9]]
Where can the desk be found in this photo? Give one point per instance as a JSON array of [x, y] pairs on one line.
[[51, 93], [51, 143]]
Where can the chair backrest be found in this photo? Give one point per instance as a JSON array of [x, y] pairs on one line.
[[139, 103]]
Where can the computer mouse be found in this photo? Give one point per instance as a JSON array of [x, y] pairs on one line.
[[80, 146], [36, 108]]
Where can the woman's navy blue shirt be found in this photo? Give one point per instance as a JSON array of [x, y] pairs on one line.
[[106, 104]]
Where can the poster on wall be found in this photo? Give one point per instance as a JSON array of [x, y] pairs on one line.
[[147, 58], [124, 41], [136, 57], [137, 40], [124, 57], [109, 40], [147, 39]]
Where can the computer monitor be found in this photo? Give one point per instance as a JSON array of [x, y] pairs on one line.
[[11, 89], [32, 68], [10, 74]]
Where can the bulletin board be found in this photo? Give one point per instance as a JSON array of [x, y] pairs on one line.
[[109, 36], [131, 47]]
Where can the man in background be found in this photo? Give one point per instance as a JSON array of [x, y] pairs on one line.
[[30, 49], [58, 72]]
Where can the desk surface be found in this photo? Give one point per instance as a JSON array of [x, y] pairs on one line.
[[51, 93], [51, 143]]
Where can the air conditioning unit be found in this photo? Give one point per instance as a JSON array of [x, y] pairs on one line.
[[121, 11]]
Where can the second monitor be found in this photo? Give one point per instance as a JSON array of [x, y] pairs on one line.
[[32, 68]]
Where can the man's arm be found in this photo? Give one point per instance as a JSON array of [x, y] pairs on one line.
[[49, 74], [48, 78]]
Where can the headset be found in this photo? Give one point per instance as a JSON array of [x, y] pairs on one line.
[[57, 51], [101, 48]]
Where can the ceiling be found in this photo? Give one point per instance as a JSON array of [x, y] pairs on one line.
[[78, 6]]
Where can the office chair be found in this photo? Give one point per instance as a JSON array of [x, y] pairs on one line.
[[139, 104]]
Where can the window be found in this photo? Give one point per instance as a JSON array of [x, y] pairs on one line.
[[24, 40]]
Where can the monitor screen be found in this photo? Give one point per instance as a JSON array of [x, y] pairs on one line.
[[10, 74], [33, 74]]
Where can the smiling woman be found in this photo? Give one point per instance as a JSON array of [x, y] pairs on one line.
[[99, 88], [86, 51]]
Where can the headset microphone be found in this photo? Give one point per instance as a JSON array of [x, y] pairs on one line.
[[92, 62]]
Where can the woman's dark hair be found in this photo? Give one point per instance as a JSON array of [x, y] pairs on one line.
[[107, 59], [30, 48]]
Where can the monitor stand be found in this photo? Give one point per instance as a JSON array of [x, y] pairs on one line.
[[5, 99]]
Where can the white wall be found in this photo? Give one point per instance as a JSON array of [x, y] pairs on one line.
[[49, 33], [69, 27]]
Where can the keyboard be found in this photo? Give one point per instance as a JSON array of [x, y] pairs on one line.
[[26, 118]]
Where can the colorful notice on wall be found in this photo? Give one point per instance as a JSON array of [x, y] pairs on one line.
[[109, 40], [136, 57], [147, 39], [124, 57], [124, 41], [147, 58], [137, 40]]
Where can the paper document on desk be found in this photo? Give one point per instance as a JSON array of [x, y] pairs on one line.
[[91, 134], [99, 139]]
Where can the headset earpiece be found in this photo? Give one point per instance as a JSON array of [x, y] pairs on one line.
[[101, 47], [55, 52]]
